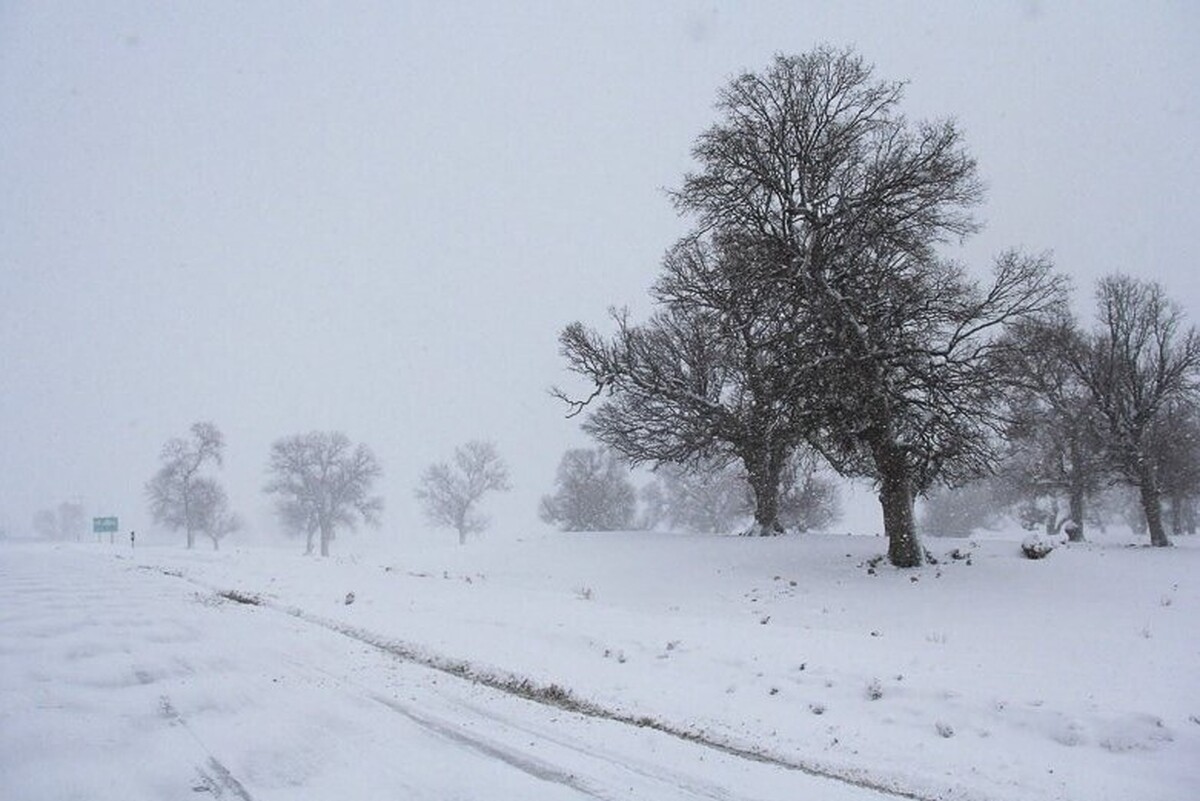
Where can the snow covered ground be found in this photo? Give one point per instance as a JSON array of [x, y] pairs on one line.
[[757, 668]]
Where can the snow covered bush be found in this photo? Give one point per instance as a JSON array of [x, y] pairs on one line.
[[1036, 546]]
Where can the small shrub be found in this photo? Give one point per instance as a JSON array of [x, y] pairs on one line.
[[1035, 547], [874, 690]]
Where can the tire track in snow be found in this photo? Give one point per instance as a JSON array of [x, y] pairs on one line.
[[666, 782], [553, 695], [533, 767], [216, 779]]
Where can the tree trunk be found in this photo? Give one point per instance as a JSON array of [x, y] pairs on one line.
[[764, 470], [187, 514], [326, 536], [308, 544], [904, 548], [1176, 513], [1051, 521], [896, 498], [1152, 507], [1075, 526], [1076, 490]]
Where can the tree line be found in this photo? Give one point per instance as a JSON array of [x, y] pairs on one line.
[[810, 311], [1097, 416], [594, 491], [321, 483], [809, 323]]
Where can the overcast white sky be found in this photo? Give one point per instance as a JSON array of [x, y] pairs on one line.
[[377, 217]]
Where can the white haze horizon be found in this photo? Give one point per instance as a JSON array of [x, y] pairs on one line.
[[377, 219]]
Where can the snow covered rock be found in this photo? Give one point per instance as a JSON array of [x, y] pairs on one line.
[[1036, 546]]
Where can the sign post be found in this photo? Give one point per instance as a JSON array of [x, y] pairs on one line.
[[104, 525]]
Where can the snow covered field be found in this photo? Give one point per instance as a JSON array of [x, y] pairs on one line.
[[129, 675]]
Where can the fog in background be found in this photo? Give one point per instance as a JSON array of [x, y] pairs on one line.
[[376, 218]]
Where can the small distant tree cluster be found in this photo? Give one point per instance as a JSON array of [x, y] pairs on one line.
[[593, 492], [960, 511], [183, 496], [1091, 410], [706, 497], [1053, 449], [322, 482], [450, 492], [62, 523], [1141, 365], [716, 496]]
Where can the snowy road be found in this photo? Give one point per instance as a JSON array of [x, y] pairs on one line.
[[123, 683]]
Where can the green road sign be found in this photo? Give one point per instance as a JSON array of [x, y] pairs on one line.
[[104, 525]]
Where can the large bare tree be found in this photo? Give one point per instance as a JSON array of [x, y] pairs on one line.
[[174, 490], [710, 377], [873, 348], [1137, 362], [451, 491], [323, 482]]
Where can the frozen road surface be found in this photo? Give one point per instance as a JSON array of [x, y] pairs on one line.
[[118, 682]]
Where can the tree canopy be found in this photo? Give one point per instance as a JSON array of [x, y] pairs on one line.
[[810, 303]]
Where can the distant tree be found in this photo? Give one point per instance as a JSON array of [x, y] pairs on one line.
[[451, 491], [960, 511], [213, 514], [715, 496], [64, 522], [809, 499], [707, 378], [707, 497], [45, 524], [71, 520], [172, 491], [592, 493], [1136, 363], [323, 482], [1054, 450], [652, 504], [1177, 454]]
